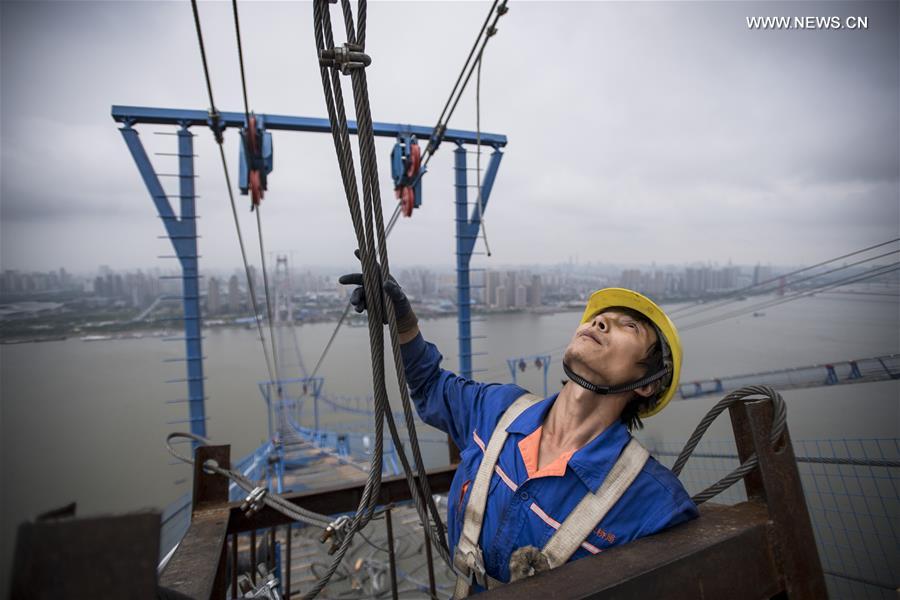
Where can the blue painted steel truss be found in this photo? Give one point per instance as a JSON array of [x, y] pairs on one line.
[[182, 232], [467, 227], [182, 229]]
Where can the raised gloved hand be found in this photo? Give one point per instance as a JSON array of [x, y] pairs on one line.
[[406, 318]]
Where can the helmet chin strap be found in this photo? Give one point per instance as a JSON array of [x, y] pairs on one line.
[[605, 389]]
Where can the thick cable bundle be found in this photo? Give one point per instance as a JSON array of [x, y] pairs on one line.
[[368, 225]]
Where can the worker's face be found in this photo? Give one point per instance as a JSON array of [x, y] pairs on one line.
[[607, 349]]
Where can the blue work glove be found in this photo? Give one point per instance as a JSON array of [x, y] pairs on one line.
[[406, 318]]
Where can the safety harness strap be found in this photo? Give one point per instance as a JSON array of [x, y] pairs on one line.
[[468, 559], [594, 506]]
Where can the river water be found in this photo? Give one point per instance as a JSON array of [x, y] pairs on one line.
[[86, 421]]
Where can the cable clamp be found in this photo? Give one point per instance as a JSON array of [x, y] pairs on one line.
[[215, 122], [344, 58], [436, 138], [254, 501], [266, 587], [335, 532]]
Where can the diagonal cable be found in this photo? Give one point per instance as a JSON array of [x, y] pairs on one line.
[[262, 251], [214, 115]]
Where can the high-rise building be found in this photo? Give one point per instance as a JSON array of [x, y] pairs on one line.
[[536, 292], [234, 294], [491, 283], [511, 285], [501, 297], [213, 299], [521, 297]]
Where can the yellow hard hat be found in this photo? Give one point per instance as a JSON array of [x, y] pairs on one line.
[[609, 297]]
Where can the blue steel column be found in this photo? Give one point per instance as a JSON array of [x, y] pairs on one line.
[[463, 304], [467, 227], [316, 408], [186, 249], [182, 232]]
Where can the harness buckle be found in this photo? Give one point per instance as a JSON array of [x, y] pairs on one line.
[[470, 566]]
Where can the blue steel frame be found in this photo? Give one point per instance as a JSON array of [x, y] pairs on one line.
[[183, 232], [466, 234], [169, 116], [512, 363]]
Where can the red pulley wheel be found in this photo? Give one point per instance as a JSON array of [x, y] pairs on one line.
[[255, 180], [408, 198], [415, 159], [256, 192]]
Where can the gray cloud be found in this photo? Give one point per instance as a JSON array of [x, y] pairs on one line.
[[638, 131]]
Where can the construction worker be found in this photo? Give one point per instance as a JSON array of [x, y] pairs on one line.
[[545, 481]]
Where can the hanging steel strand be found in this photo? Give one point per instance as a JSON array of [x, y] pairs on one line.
[[441, 127], [333, 93], [370, 172], [344, 314], [438, 132], [487, 247], [368, 153], [269, 311], [340, 136], [262, 251], [217, 132], [251, 286], [438, 129], [370, 190]]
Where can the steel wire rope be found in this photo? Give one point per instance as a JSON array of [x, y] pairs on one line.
[[346, 311], [739, 292], [373, 201], [370, 195], [487, 247], [214, 116], [262, 252], [365, 115], [371, 274], [271, 499], [779, 421], [441, 126], [430, 148], [340, 134]]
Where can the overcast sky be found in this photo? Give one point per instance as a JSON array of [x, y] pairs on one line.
[[638, 132]]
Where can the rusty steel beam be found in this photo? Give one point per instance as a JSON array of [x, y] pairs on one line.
[[792, 539], [197, 569], [720, 555], [338, 499]]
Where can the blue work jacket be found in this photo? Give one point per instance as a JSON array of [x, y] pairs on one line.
[[524, 511]]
